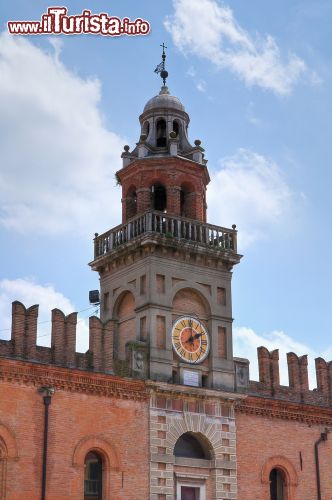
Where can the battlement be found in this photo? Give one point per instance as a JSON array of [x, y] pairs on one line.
[[23, 343], [298, 388], [100, 357]]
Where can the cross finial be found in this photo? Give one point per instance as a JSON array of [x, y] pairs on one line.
[[161, 67], [164, 47]]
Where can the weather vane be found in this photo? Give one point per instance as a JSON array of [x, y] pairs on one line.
[[160, 69]]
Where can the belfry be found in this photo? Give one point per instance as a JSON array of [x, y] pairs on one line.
[[165, 273]]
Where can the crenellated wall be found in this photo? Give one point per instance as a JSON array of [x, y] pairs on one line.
[[100, 355], [298, 388], [23, 343]]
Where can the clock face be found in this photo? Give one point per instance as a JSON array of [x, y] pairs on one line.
[[190, 339]]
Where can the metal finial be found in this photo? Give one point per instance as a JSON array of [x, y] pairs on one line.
[[160, 69]]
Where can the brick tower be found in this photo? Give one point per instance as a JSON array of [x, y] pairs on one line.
[[165, 273]]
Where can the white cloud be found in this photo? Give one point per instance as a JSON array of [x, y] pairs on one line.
[[201, 85], [57, 158], [27, 290], [247, 340], [209, 30], [250, 191]]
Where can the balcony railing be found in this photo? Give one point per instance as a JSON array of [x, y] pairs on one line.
[[173, 227]]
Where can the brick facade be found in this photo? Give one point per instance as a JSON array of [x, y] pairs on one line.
[[277, 435], [88, 411], [176, 175], [269, 426]]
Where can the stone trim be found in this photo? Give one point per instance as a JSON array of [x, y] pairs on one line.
[[218, 431]]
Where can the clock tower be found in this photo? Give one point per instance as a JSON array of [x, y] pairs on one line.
[[165, 272]]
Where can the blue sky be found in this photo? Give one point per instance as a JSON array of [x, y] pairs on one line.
[[255, 78]]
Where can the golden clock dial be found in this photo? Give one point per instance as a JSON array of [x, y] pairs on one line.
[[190, 339]]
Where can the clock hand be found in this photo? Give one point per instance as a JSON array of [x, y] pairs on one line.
[[191, 329], [197, 335]]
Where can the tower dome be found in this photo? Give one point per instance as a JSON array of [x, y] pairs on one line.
[[164, 100], [164, 120], [164, 128]]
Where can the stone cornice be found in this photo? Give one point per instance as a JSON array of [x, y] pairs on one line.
[[151, 244], [273, 408], [163, 162], [70, 379], [196, 392]]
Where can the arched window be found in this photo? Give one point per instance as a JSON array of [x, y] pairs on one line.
[[159, 197], [277, 485], [189, 446], [161, 133], [93, 476], [176, 127]]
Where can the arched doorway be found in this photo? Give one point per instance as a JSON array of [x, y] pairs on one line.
[[192, 449], [93, 476]]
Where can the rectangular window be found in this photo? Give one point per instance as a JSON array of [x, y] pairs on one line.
[[161, 332], [143, 284], [142, 328], [160, 278], [106, 301], [222, 342], [221, 296]]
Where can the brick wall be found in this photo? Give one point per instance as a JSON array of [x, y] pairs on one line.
[[174, 174], [78, 421], [187, 301], [260, 438]]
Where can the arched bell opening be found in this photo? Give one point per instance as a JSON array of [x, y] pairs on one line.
[[159, 197], [161, 141], [176, 127]]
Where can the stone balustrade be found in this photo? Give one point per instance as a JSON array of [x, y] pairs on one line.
[[179, 228]]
